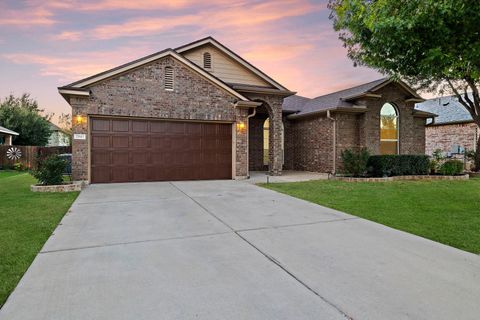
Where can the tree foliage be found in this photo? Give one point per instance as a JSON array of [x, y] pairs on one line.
[[23, 115], [432, 44]]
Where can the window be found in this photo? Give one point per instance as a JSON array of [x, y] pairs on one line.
[[168, 78], [207, 60], [388, 129]]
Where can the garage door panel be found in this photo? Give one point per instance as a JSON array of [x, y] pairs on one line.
[[101, 174], [101, 125], [140, 141], [120, 157], [126, 150], [139, 126], [101, 157], [120, 125], [100, 141], [120, 173], [120, 141]]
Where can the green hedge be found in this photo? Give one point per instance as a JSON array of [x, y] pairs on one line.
[[398, 165], [451, 167]]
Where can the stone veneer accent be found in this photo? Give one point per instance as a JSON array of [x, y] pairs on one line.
[[444, 137], [76, 186], [140, 93]]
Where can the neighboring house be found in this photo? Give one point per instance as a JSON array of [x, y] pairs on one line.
[[6, 136], [453, 131], [58, 138], [200, 111]]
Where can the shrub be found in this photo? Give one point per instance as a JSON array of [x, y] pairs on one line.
[[398, 165], [451, 167], [355, 162], [472, 156], [50, 171], [18, 166]]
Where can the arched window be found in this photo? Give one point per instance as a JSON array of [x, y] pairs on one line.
[[207, 60], [266, 138], [388, 129]]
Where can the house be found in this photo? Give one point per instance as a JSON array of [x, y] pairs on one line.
[[6, 136], [58, 137], [453, 131], [200, 111]]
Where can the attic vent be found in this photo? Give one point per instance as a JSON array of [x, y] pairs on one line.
[[168, 78], [207, 60]]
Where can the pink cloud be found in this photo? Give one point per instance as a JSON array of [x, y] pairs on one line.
[[233, 16], [25, 17]]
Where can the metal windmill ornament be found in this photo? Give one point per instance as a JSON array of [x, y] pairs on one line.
[[14, 153]]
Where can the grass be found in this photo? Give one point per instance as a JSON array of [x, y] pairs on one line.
[[443, 211], [27, 219]]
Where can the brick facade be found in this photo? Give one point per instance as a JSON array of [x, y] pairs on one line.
[[309, 140], [140, 93], [309, 144], [444, 137]]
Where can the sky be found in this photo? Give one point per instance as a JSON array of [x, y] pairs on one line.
[[47, 44]]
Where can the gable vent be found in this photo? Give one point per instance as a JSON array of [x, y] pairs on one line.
[[168, 78], [207, 60]]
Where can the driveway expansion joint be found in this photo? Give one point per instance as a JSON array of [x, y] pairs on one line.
[[270, 258], [113, 244]]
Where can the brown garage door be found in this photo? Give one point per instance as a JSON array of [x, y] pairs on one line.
[[127, 150]]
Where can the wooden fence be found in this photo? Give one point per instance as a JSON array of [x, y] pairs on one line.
[[28, 156]]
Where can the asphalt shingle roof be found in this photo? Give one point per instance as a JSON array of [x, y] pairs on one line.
[[332, 100], [448, 109]]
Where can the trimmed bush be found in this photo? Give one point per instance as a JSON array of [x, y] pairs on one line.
[[50, 171], [355, 162], [398, 165], [451, 168]]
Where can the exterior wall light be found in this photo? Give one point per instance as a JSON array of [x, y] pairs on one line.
[[241, 126], [79, 119]]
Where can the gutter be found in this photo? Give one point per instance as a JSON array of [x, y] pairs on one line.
[[334, 147]]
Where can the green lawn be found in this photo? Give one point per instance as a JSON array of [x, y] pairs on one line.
[[443, 211], [26, 221]]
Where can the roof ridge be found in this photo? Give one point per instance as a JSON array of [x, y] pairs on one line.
[[350, 88]]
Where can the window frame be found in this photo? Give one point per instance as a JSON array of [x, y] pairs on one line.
[[397, 118]]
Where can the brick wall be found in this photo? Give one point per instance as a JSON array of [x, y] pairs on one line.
[[443, 137], [311, 140], [140, 93], [412, 129]]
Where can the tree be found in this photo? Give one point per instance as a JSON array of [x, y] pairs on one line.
[[65, 123], [22, 114], [432, 44]]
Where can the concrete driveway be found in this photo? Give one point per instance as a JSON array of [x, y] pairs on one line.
[[231, 250]]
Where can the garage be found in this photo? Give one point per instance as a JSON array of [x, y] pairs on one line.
[[137, 150]]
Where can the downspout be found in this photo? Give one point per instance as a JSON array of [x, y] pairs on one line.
[[248, 140], [334, 147]]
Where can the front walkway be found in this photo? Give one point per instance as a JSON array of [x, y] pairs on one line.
[[231, 250], [287, 176]]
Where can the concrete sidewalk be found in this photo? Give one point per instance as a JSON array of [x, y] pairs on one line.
[[231, 250]]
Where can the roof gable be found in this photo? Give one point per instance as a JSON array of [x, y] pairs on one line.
[[81, 87], [345, 98], [448, 109], [235, 57], [224, 66]]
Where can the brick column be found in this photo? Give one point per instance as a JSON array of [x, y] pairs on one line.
[[275, 141], [79, 147], [241, 143], [8, 140]]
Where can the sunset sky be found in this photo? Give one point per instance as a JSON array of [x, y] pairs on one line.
[[46, 44]]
